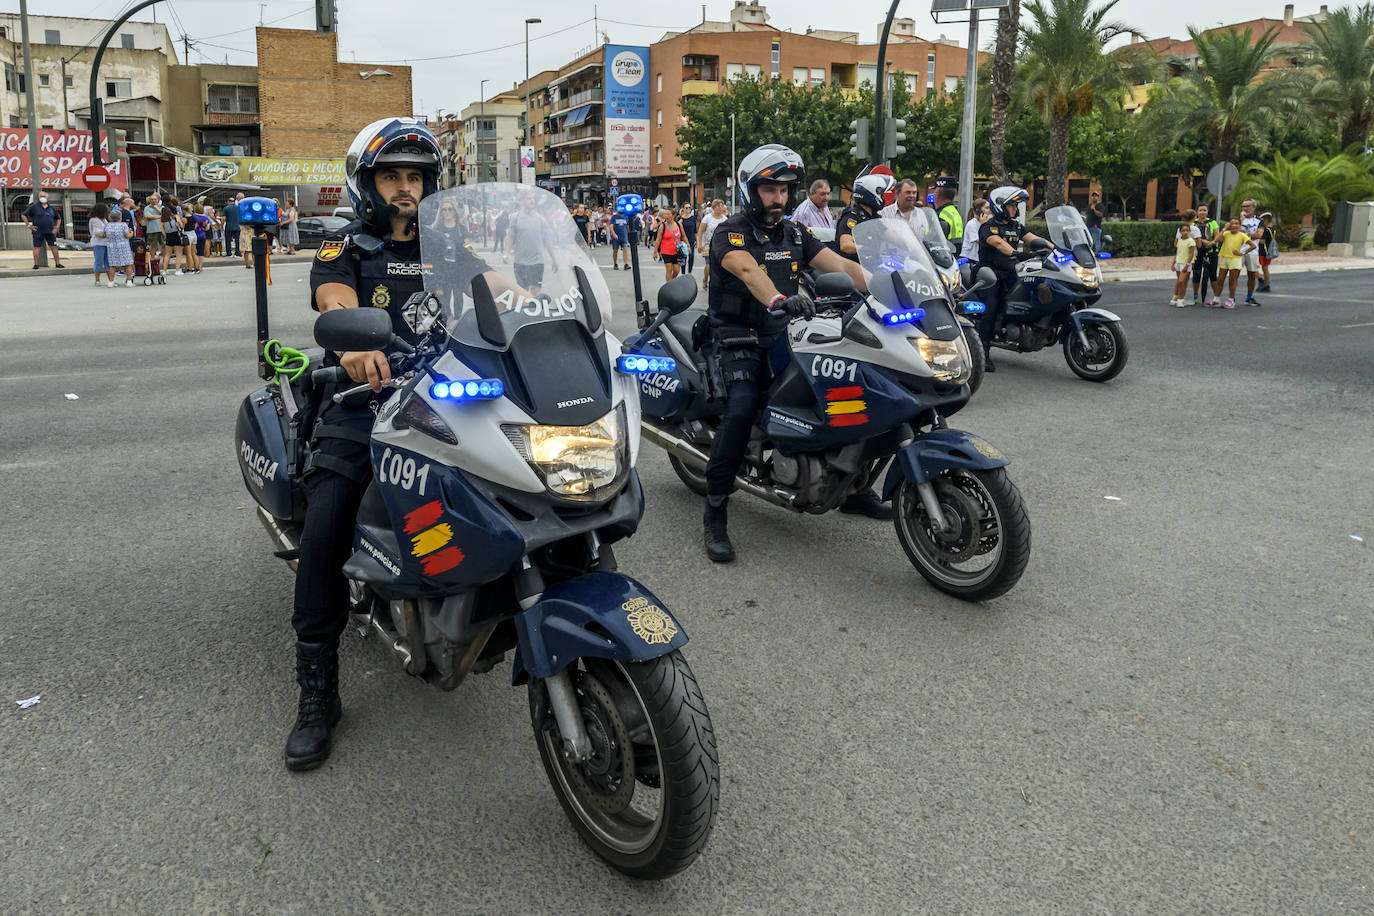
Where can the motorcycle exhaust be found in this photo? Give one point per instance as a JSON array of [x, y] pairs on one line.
[[290, 550], [686, 452]]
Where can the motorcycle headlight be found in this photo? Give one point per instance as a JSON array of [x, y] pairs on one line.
[[952, 281], [582, 463], [1087, 275], [948, 359]]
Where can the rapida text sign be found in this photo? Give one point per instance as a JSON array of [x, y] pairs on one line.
[[627, 111], [62, 154]]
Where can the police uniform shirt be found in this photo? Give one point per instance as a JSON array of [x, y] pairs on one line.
[[383, 279], [1010, 230], [781, 251], [850, 217]]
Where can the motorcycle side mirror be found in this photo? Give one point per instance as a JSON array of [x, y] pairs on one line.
[[678, 294], [1105, 243], [834, 285], [353, 329], [965, 275], [985, 279]]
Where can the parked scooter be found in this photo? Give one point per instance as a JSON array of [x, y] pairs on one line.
[[1059, 281], [864, 387], [503, 470]]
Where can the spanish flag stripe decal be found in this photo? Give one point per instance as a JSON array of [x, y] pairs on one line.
[[843, 407], [844, 394], [372, 147], [421, 518], [442, 561], [853, 419], [431, 539]]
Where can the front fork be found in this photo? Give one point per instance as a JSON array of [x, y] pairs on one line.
[[932, 505]]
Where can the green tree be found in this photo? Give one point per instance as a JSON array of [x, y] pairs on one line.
[[933, 132], [1105, 145], [1342, 50], [1228, 98], [1294, 188], [1067, 72]]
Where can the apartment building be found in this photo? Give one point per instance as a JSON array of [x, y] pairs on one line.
[[213, 110], [492, 132]]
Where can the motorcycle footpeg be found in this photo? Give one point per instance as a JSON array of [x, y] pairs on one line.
[[293, 554]]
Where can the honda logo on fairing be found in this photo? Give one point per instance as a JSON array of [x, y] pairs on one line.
[[573, 403]]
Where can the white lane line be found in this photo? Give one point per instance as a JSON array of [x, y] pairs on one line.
[[1317, 300], [1363, 324]]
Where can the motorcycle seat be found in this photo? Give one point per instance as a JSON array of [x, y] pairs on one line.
[[680, 326]]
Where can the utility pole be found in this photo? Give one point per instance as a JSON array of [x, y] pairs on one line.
[[952, 11], [35, 164], [734, 167]]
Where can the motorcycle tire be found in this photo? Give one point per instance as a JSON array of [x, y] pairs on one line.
[[1109, 337], [985, 501], [691, 478], [976, 358], [656, 708]]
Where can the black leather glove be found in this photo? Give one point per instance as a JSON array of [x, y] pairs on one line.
[[797, 306]]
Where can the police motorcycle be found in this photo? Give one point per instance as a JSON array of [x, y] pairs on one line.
[[503, 459], [1059, 282], [865, 385]]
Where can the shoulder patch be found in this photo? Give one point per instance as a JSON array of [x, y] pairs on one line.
[[736, 239], [992, 230], [329, 250], [851, 223]]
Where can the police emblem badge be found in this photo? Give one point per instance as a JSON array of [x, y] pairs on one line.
[[381, 296], [649, 622]]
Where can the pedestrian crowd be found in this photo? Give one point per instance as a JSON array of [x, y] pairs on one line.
[[1213, 256]]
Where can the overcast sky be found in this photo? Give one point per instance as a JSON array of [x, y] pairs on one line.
[[485, 40]]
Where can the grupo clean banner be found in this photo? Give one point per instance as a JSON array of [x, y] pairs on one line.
[[627, 111]]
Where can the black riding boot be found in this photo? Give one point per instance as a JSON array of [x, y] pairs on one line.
[[317, 672], [718, 546]]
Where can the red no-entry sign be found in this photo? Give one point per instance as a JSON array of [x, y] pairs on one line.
[[96, 177]]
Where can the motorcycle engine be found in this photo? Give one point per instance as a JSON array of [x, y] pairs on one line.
[[785, 470]]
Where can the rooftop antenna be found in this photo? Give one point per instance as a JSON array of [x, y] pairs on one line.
[[596, 27]]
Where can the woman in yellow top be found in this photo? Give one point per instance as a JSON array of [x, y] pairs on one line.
[[1234, 243]]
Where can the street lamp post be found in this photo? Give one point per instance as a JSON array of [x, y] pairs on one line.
[[953, 11], [734, 170], [528, 23]]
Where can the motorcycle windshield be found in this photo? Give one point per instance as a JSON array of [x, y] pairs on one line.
[[1069, 232], [903, 275], [499, 256], [927, 227]]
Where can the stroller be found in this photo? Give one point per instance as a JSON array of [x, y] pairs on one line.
[[146, 264]]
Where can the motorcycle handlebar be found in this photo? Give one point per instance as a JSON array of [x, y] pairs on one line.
[[330, 375]]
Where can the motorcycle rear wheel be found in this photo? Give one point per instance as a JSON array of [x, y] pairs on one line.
[[989, 518], [978, 360], [1109, 355], [648, 812], [691, 478]]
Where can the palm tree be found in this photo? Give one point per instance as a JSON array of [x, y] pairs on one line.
[[1342, 49], [1227, 96], [1293, 189], [1003, 72], [1066, 72]]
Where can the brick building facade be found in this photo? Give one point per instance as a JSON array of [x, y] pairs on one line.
[[311, 103]]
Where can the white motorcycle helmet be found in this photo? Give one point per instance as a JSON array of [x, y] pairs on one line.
[[1001, 197], [772, 163]]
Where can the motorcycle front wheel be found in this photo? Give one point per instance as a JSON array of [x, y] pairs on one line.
[[1106, 354], [976, 357], [988, 546], [646, 799], [691, 478]]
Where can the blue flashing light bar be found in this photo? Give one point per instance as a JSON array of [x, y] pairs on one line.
[[975, 308], [1104, 255], [258, 211], [482, 389], [629, 203], [907, 317], [1062, 257], [634, 364]]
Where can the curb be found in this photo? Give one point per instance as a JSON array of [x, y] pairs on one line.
[[85, 271], [1131, 275]]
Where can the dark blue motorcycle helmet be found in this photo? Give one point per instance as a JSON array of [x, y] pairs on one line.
[[388, 142]]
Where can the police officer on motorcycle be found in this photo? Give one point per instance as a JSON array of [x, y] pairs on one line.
[[755, 263], [866, 202], [997, 241], [374, 262], [951, 220]]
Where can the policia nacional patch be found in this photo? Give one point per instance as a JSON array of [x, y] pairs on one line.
[[736, 239], [329, 251], [381, 296]]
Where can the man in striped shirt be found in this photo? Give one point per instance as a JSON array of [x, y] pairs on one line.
[[814, 212]]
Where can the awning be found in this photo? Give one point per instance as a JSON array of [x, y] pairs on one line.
[[576, 116]]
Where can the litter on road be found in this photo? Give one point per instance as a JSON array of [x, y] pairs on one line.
[[73, 397], [25, 704], [1115, 499], [1356, 537]]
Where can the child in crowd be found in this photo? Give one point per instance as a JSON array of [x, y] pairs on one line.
[[1185, 251], [1269, 248], [1234, 244]]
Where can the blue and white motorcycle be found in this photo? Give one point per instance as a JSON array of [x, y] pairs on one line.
[[1059, 282], [503, 459], [861, 390]]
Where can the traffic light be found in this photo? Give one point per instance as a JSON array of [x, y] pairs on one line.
[[893, 137], [324, 16], [691, 174], [858, 138], [121, 144]]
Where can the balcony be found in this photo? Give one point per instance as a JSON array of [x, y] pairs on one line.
[[488, 133], [569, 169], [700, 87], [574, 100], [594, 133]]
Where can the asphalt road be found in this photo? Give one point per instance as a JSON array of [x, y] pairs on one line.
[[1169, 714]]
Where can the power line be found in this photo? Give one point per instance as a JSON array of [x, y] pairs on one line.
[[271, 22], [514, 44]]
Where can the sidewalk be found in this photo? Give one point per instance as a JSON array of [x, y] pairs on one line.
[[1129, 270], [19, 263]]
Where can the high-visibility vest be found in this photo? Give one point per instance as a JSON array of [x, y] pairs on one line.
[[949, 215]]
